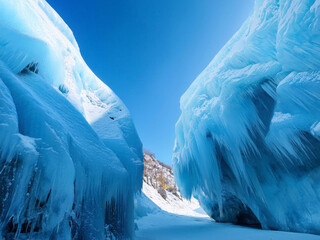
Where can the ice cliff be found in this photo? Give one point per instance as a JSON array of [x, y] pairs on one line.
[[70, 157], [248, 139]]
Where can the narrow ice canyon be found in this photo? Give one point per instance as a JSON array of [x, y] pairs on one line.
[[247, 141]]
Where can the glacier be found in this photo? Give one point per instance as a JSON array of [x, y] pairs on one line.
[[248, 138], [71, 160]]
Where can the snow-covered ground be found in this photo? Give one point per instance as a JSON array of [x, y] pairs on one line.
[[163, 225], [174, 219]]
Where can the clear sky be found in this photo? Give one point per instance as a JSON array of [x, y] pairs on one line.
[[149, 52]]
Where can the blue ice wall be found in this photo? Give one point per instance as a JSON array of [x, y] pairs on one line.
[[248, 139], [70, 157]]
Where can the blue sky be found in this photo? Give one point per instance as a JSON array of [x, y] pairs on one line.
[[150, 51]]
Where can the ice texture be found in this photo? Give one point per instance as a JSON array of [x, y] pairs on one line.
[[70, 157], [248, 139]]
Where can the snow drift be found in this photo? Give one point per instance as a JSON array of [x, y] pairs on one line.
[[248, 139], [70, 157]]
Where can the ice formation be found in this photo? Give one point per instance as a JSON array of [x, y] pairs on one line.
[[248, 139], [70, 157]]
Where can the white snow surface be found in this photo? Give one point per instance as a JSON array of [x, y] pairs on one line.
[[247, 141], [70, 157], [173, 204], [175, 219]]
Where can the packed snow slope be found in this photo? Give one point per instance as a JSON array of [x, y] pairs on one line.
[[248, 139], [70, 157], [159, 191]]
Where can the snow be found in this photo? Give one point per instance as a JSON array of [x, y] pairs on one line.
[[173, 204], [247, 141], [175, 219], [70, 157], [165, 226]]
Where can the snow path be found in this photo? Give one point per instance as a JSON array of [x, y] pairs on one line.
[[168, 226], [174, 219]]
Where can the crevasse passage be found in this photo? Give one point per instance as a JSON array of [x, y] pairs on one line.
[[70, 157], [248, 139]]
